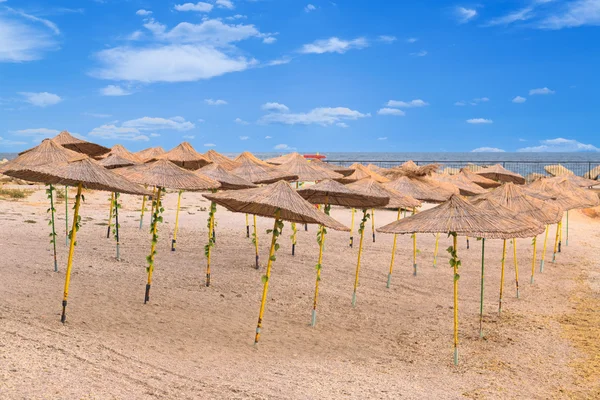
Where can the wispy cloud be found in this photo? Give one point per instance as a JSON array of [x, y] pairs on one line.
[[324, 116], [391, 111], [23, 39], [97, 115], [342, 125], [157, 123], [573, 14], [197, 7], [275, 107], [190, 137], [8, 142], [333, 45], [36, 132], [479, 121], [412, 40], [407, 104], [387, 38], [41, 99], [209, 145], [136, 129], [519, 99], [523, 14], [143, 13], [309, 8], [244, 137], [114, 90], [284, 147], [225, 4], [487, 150], [240, 121], [421, 53], [382, 138], [217, 102], [543, 90], [113, 132], [465, 15], [560, 145]]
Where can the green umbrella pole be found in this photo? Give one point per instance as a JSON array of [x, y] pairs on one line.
[[52, 210], [66, 215], [481, 300]]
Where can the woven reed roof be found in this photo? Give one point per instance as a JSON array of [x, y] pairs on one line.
[[370, 186], [566, 201], [218, 158], [165, 174], [46, 153], [185, 156], [534, 176], [376, 168], [305, 170], [337, 168], [464, 184], [499, 173], [266, 200], [531, 226], [593, 173], [86, 171], [577, 180], [256, 171], [482, 181], [411, 170], [119, 157], [283, 158], [515, 198], [150, 153], [585, 198], [227, 180], [451, 171], [67, 140], [334, 193], [423, 189], [558, 170], [362, 172], [457, 215]]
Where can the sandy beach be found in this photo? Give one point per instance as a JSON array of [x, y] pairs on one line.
[[193, 342]]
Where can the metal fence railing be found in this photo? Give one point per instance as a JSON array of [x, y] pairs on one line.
[[524, 168]]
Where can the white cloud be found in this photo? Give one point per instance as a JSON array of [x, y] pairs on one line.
[[284, 147], [97, 115], [47, 23], [268, 137], [382, 138], [391, 111], [407, 104], [113, 132], [465, 14], [225, 4], [240, 121], [560, 145], [114, 90], [154, 134], [198, 7], [387, 38], [324, 116], [487, 150], [473, 102], [342, 125], [201, 120], [269, 40], [421, 53], [212, 102], [244, 137], [481, 100], [573, 14], [7, 142], [209, 145], [519, 99], [157, 123], [522, 140], [479, 121], [143, 12], [41, 99], [543, 90], [460, 103], [236, 16], [24, 37], [189, 137], [279, 61], [411, 40], [44, 132], [275, 107], [520, 15], [309, 8], [135, 35], [333, 45]]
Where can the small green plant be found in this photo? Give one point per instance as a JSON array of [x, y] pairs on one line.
[[78, 222], [211, 240], [51, 210], [278, 228], [363, 221], [15, 193], [156, 218], [115, 211], [294, 231], [454, 260]]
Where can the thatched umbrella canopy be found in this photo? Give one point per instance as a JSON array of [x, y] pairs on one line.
[[283, 158], [185, 156], [534, 176], [484, 182], [593, 173], [585, 198], [410, 169], [150, 153], [558, 170], [227, 180], [451, 171], [331, 192], [362, 172], [119, 157], [577, 180], [306, 171], [376, 168], [337, 168], [423, 189], [464, 185], [46, 153], [499, 173], [256, 171], [218, 158], [458, 217], [278, 201], [370, 187], [67, 140]]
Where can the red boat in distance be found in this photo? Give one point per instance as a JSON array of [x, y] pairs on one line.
[[314, 156]]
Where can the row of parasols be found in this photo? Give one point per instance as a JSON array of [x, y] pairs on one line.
[[498, 205]]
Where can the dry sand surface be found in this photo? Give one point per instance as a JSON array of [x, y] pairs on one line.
[[194, 342]]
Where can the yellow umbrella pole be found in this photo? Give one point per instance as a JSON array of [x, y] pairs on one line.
[[516, 265], [247, 227], [560, 237], [455, 265], [211, 239], [502, 277], [373, 223], [174, 241], [435, 251], [544, 249], [352, 229], [556, 242], [255, 240], [361, 230], [277, 227], [110, 214], [116, 232], [319, 266], [414, 237], [143, 209], [481, 296], [293, 237], [389, 280], [533, 259], [73, 236], [156, 209]]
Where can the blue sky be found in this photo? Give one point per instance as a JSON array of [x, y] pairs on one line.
[[317, 75]]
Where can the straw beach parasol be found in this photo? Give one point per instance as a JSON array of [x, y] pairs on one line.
[[577, 180], [256, 171], [558, 170], [218, 158], [81, 173], [283, 158], [499, 173], [184, 156], [456, 217], [478, 179], [119, 157], [593, 173], [70, 142], [362, 172], [227, 180], [464, 184], [278, 201], [534, 176], [421, 189], [306, 171], [330, 192], [337, 168], [150, 153]]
